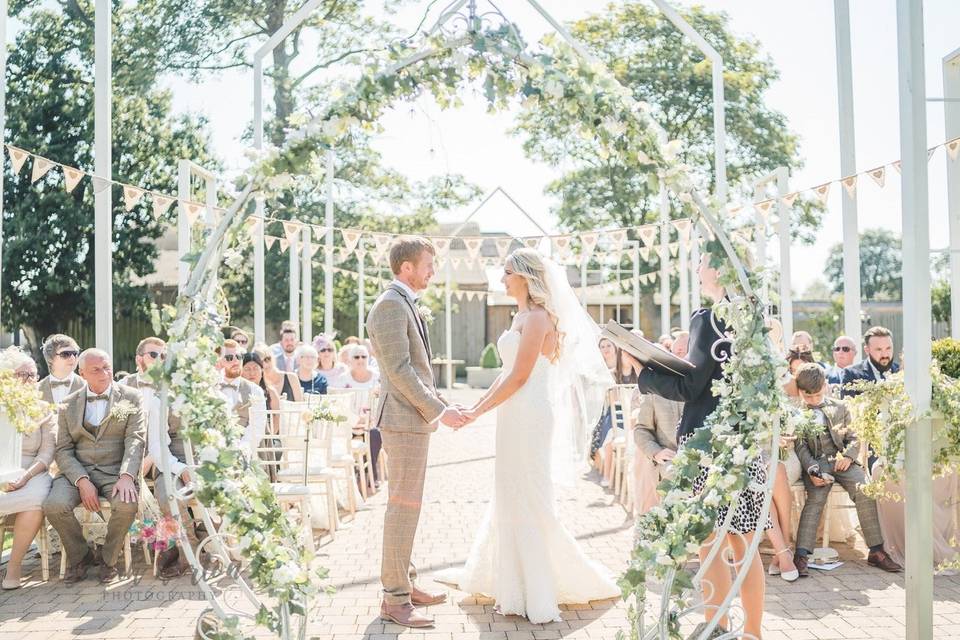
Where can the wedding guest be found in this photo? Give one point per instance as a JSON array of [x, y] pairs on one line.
[[709, 348], [242, 339], [350, 340], [253, 371], [844, 353], [311, 381], [23, 497], [165, 450], [61, 353], [359, 375], [656, 439], [611, 356], [797, 356], [372, 363], [832, 456], [244, 399], [665, 341], [877, 365], [100, 444], [329, 365], [285, 383], [284, 358]]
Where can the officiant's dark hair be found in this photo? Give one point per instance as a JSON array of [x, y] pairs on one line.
[[408, 250]]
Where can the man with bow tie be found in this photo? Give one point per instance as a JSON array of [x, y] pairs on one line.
[[245, 399], [61, 353], [99, 451]]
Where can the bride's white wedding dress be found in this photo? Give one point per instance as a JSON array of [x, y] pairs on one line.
[[523, 556]]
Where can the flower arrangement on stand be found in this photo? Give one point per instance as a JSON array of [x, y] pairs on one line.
[[159, 535]]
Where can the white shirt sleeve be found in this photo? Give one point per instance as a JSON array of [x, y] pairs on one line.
[[257, 426], [158, 438]]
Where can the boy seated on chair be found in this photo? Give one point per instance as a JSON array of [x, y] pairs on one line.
[[99, 452], [831, 455]]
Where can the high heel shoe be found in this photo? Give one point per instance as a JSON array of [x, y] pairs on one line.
[[788, 576]]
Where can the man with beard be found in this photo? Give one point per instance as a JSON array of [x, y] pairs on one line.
[[878, 363]]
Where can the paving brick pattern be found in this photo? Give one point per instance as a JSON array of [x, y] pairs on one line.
[[854, 601]]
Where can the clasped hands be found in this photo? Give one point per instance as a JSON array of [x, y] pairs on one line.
[[457, 416]]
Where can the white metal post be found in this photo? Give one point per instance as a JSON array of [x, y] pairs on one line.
[[3, 125], [664, 260], [448, 319], [694, 267], [183, 222], [951, 115], [916, 317], [294, 257], [760, 239], [848, 167], [306, 324], [361, 292], [103, 167], [259, 257], [328, 249], [783, 230], [684, 269]]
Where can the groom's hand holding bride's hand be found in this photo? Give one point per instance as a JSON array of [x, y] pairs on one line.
[[453, 417]]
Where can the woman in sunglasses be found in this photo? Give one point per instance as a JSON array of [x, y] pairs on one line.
[[329, 365], [285, 383], [359, 375]]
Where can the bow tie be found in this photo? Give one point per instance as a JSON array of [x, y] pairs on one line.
[[60, 383], [230, 385], [100, 397]]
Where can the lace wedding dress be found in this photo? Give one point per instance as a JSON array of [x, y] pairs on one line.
[[523, 556]]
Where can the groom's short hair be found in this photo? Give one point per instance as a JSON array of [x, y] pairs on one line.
[[409, 250]]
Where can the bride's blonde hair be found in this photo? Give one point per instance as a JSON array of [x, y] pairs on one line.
[[529, 264]]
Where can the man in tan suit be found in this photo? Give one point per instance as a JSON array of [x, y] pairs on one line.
[[61, 353], [99, 452], [410, 409]]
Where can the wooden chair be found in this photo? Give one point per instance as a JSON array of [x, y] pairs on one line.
[[351, 454], [294, 489], [87, 521], [623, 449], [42, 540]]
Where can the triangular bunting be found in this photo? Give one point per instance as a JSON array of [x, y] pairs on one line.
[[193, 210], [160, 204], [99, 184], [343, 254], [561, 245], [850, 184], [455, 262], [290, 229], [131, 196], [763, 207], [648, 234], [382, 242], [953, 148], [645, 253], [588, 242], [683, 229], [822, 192], [269, 240], [930, 153], [674, 249], [879, 175], [71, 177], [251, 224], [617, 237], [17, 158], [503, 246], [442, 245], [314, 249], [284, 245], [897, 165], [351, 238], [473, 246], [40, 168], [532, 243], [790, 198]]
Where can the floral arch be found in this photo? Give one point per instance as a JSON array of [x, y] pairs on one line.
[[463, 49]]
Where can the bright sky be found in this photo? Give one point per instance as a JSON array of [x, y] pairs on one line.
[[799, 36]]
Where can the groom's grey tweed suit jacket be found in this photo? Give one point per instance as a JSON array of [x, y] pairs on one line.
[[409, 401]]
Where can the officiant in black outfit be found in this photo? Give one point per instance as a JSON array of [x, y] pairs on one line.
[[709, 347]]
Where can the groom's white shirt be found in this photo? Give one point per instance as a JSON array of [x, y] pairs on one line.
[[403, 285]]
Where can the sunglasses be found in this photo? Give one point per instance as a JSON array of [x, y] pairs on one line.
[[359, 357], [156, 354], [26, 376], [844, 349], [325, 350], [66, 355], [230, 357], [241, 340]]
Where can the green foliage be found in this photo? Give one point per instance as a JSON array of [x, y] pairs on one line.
[[881, 266], [946, 353], [48, 233], [489, 358], [940, 301]]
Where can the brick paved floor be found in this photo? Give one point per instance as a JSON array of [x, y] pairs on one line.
[[854, 601]]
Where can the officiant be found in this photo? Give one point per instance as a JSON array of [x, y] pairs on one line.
[[708, 349]]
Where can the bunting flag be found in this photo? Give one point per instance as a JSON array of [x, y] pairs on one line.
[[617, 238], [291, 228], [588, 242], [648, 234], [503, 246], [896, 165], [251, 224], [930, 153], [850, 184], [533, 243], [316, 247], [269, 240], [382, 242], [790, 198], [17, 158], [823, 192], [474, 245], [99, 184], [763, 207], [40, 168], [455, 261], [131, 196], [351, 238], [674, 249], [953, 148], [442, 246], [343, 254], [193, 210], [645, 253], [71, 178], [683, 229], [879, 175], [284, 245], [561, 245], [162, 203]]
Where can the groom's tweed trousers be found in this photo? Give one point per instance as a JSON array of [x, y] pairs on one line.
[[409, 409]]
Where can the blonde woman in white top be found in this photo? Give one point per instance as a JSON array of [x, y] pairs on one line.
[[359, 375], [329, 365]]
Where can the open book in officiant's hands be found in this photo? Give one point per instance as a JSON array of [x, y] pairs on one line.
[[646, 352]]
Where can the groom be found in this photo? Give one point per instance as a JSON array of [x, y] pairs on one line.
[[410, 409]]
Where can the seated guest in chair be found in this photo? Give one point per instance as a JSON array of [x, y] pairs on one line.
[[163, 444], [311, 380], [844, 353], [877, 364], [61, 353], [100, 442], [828, 457], [245, 399], [23, 497]]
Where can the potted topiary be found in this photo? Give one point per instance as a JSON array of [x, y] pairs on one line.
[[490, 367]]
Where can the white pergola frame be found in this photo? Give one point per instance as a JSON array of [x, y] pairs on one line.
[[186, 171]]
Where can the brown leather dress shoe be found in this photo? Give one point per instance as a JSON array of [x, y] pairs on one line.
[[425, 599], [881, 560], [801, 563], [78, 572], [108, 574], [404, 615]]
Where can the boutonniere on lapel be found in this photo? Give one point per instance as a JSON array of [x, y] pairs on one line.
[[122, 410], [426, 313]]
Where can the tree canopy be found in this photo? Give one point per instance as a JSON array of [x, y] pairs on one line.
[[881, 266]]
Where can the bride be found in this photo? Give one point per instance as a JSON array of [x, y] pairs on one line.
[[549, 394]]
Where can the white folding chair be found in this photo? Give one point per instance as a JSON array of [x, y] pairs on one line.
[[42, 540], [293, 490]]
